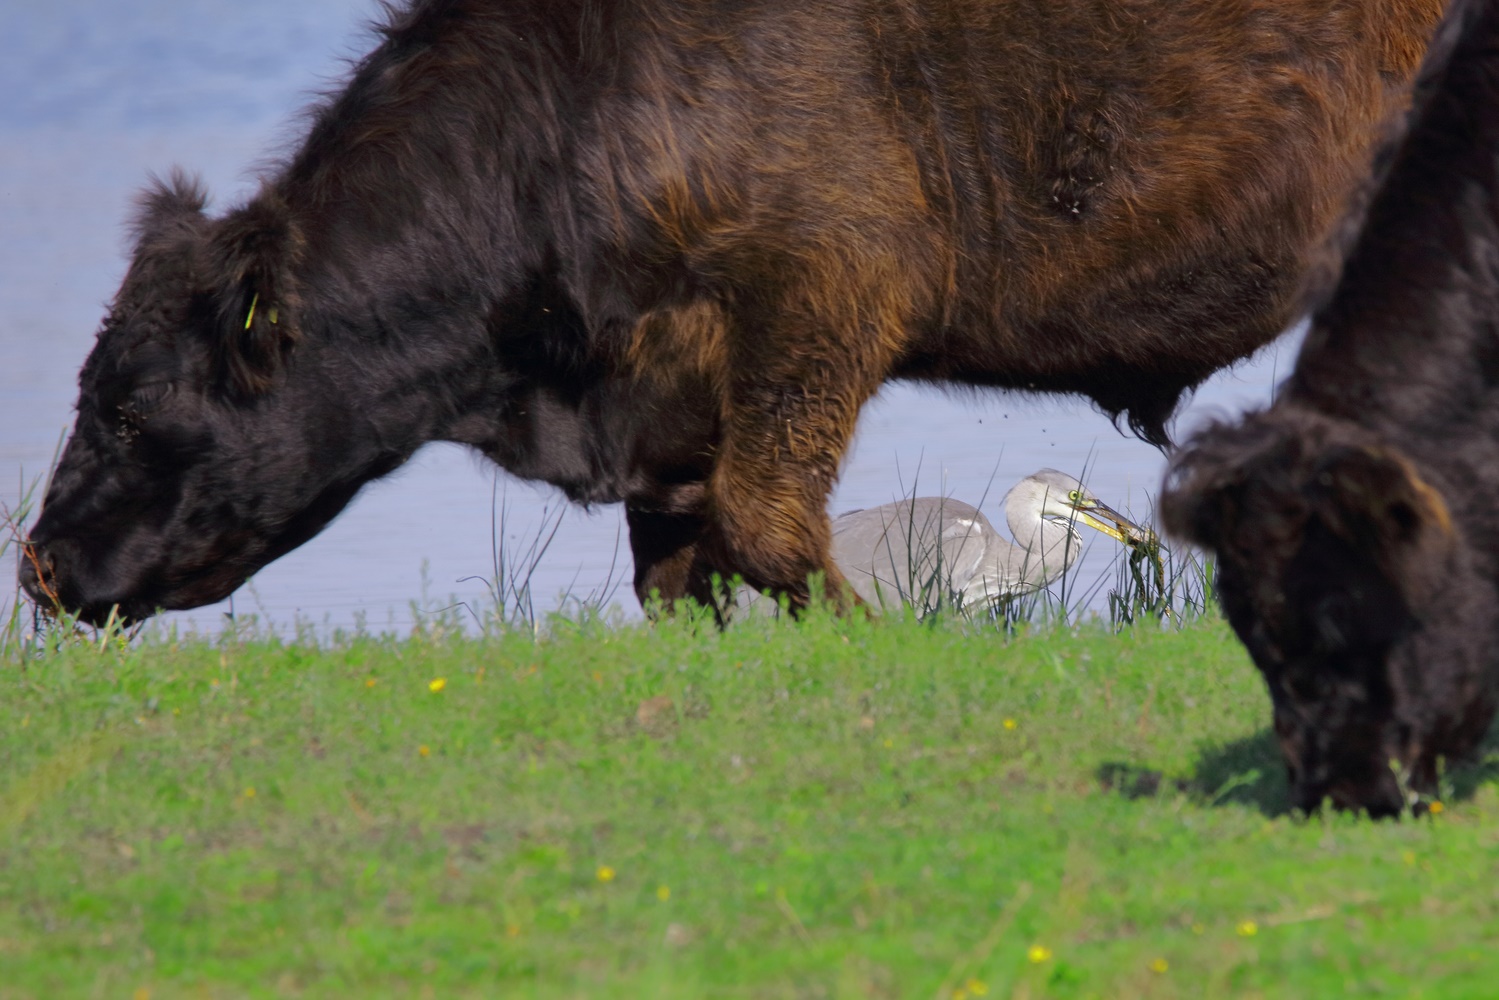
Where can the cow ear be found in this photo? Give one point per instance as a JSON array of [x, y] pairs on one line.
[[251, 262], [166, 210], [1373, 498]]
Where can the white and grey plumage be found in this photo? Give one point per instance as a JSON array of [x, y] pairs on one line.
[[928, 551]]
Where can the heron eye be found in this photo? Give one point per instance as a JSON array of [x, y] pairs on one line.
[[1075, 495]]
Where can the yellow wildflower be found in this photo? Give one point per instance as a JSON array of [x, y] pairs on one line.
[[1038, 953], [1011, 724], [605, 873], [437, 685], [250, 792], [663, 892], [1159, 965], [424, 750], [371, 682], [1436, 807], [976, 987], [1248, 928]]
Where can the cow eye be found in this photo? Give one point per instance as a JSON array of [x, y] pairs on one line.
[[140, 404], [146, 399]]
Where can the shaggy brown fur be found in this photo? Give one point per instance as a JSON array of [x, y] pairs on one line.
[[1355, 520], [662, 251]]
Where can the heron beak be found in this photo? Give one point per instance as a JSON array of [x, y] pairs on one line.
[[1114, 524]]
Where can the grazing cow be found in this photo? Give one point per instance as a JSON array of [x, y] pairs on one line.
[[1355, 520], [662, 251]]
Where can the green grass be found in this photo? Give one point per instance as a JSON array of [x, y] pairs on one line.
[[827, 809]]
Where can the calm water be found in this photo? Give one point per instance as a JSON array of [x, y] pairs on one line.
[[98, 96]]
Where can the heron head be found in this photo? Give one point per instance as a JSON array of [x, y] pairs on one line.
[[1056, 496]]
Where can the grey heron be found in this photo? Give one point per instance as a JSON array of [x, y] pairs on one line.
[[927, 551]]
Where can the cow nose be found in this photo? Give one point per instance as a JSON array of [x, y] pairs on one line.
[[38, 574]]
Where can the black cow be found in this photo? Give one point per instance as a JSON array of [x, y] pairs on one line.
[[662, 251], [1355, 520]]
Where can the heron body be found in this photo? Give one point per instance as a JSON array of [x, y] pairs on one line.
[[929, 551]]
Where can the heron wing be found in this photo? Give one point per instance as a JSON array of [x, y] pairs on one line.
[[919, 552]]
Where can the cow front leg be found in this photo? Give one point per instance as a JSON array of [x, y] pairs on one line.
[[768, 494], [669, 560]]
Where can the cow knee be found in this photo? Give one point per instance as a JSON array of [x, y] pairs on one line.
[[780, 547]]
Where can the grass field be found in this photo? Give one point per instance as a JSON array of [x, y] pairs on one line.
[[828, 809]]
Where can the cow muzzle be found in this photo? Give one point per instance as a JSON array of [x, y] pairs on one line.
[[46, 580], [37, 574], [1374, 790]]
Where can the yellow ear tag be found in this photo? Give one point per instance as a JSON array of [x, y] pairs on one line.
[[253, 299]]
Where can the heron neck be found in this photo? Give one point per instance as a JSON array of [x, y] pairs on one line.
[[1045, 548]]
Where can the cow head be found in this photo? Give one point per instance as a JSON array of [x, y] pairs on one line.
[[199, 452], [1341, 570]]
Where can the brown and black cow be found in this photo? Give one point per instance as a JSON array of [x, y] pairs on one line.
[[1356, 520], [660, 252]]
